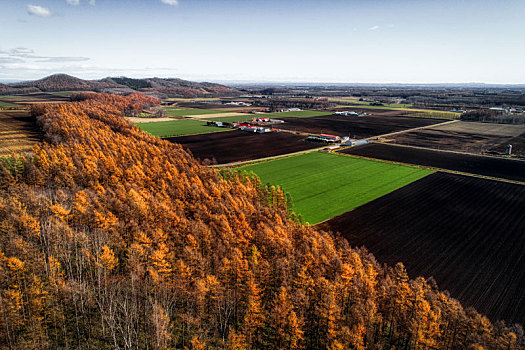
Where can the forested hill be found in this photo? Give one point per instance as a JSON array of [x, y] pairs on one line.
[[161, 87], [113, 239]]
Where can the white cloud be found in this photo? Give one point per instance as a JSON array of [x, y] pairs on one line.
[[374, 28], [170, 2], [92, 2], [63, 59], [39, 11], [73, 2], [21, 51], [24, 55]]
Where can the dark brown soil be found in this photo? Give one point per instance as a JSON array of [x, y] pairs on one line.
[[465, 232], [451, 140], [510, 169], [355, 127], [235, 146], [518, 146]]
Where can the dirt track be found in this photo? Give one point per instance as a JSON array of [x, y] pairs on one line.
[[468, 235]]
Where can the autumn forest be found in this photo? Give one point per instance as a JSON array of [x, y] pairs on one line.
[[111, 238]]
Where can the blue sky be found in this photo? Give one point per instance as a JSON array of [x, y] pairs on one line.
[[375, 41]]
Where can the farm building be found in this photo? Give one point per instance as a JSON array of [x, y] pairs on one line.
[[353, 143], [350, 114], [346, 113], [325, 138], [238, 103], [253, 128], [261, 120], [218, 124]]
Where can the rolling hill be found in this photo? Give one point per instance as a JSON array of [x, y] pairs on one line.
[[160, 87]]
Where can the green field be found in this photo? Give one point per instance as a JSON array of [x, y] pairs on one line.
[[178, 128], [323, 185], [7, 104], [233, 119], [421, 113], [249, 117], [64, 93], [196, 99], [299, 114], [181, 112]]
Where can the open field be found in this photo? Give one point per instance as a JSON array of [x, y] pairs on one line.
[[236, 146], [323, 185], [280, 115], [181, 112], [18, 132], [218, 116], [518, 146], [232, 119], [503, 168], [298, 114], [465, 232], [64, 93], [7, 104], [408, 109], [178, 128], [39, 97], [150, 119], [355, 127], [194, 99], [469, 137]]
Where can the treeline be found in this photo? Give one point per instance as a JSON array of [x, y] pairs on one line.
[[113, 239], [275, 104], [491, 116]]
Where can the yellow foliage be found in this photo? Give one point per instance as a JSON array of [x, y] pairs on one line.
[[30, 224], [105, 220], [107, 258], [196, 344], [15, 264], [59, 211]]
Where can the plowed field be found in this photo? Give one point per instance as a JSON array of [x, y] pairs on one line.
[[510, 169], [355, 127], [468, 233], [235, 146]]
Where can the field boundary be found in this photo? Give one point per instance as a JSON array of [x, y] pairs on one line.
[[516, 182], [449, 151], [266, 159], [410, 130]]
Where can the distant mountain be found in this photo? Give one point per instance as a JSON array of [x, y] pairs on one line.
[[159, 87]]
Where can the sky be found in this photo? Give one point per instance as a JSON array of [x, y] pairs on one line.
[[338, 41]]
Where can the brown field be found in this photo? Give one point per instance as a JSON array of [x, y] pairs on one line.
[[503, 168], [40, 97], [465, 232], [216, 115], [18, 132], [220, 106], [236, 146], [469, 137], [372, 111], [355, 127], [518, 146]]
